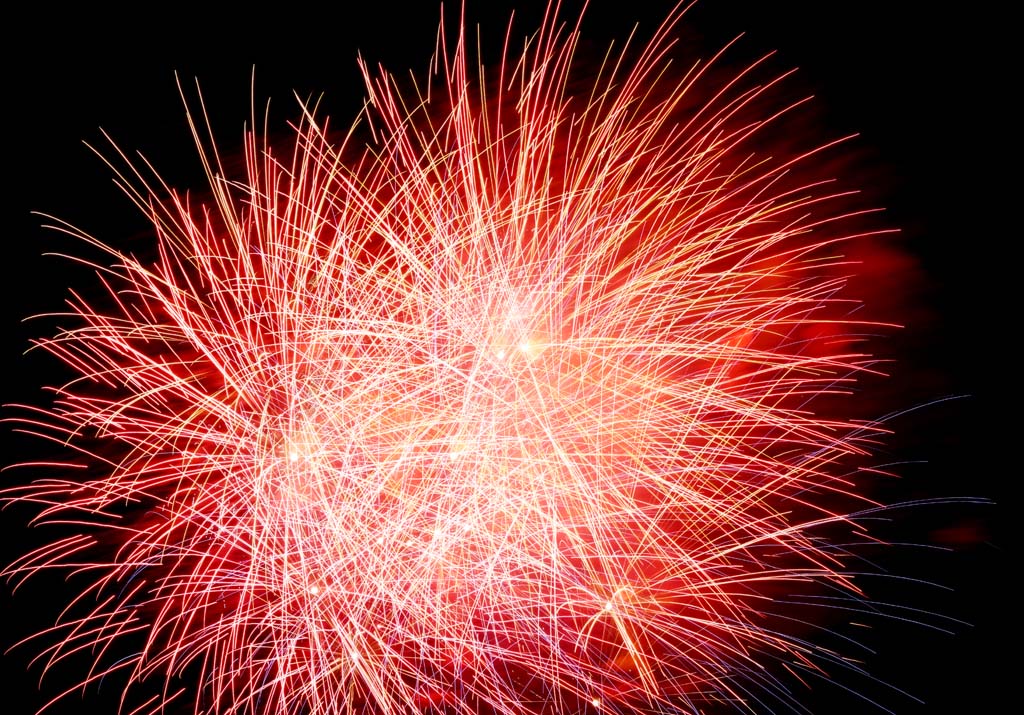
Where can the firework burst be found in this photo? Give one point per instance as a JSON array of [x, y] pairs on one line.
[[528, 406]]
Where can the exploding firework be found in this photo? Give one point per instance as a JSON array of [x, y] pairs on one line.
[[533, 404]]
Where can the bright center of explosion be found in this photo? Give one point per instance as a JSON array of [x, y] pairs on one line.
[[451, 463]]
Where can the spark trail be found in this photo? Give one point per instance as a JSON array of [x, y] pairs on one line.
[[528, 406]]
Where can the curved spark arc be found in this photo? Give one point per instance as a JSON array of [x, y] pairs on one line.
[[519, 405]]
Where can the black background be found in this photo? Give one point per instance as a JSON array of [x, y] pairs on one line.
[[927, 91]]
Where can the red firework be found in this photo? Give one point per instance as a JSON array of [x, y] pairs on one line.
[[529, 406]]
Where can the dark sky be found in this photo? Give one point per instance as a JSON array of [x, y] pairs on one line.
[[926, 91]]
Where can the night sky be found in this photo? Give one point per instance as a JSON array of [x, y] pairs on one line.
[[925, 92]]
